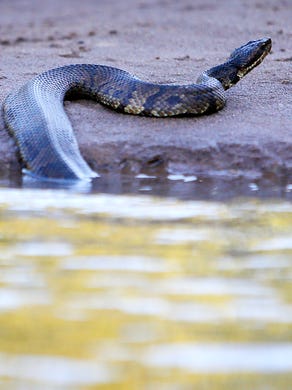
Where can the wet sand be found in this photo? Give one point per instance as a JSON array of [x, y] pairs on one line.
[[163, 41]]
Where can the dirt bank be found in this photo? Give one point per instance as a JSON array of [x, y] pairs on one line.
[[167, 41]]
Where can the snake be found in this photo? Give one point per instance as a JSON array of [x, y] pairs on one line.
[[35, 117]]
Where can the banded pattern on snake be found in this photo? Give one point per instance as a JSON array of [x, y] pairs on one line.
[[35, 116]]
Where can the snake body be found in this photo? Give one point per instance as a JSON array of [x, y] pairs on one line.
[[35, 116]]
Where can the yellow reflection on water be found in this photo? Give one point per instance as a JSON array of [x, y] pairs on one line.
[[102, 291]]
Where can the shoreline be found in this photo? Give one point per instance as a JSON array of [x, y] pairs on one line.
[[250, 137]]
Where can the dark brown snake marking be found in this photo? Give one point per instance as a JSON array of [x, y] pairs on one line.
[[35, 116]]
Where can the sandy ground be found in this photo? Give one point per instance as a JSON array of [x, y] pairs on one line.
[[164, 41]]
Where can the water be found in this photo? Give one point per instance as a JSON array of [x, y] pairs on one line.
[[117, 291]]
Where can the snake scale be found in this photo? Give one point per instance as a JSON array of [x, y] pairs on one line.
[[35, 116]]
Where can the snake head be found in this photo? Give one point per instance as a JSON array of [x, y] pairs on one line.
[[248, 56], [240, 62]]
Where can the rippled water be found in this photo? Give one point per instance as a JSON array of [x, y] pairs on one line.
[[137, 292]]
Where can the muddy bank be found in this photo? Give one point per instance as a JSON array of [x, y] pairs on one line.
[[164, 41]]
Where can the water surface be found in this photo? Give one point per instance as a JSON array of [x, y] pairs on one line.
[[113, 291]]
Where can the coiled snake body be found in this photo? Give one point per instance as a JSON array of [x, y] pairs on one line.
[[35, 116]]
